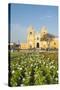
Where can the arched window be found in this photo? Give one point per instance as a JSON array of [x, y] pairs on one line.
[[54, 43], [37, 38], [30, 33]]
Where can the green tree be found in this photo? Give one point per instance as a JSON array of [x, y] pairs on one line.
[[47, 37]]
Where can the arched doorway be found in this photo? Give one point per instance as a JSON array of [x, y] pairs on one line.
[[37, 45]]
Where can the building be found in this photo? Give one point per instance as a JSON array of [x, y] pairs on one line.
[[13, 46], [40, 39]]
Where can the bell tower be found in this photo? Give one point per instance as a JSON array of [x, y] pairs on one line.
[[31, 37], [43, 31]]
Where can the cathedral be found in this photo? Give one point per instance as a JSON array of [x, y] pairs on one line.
[[39, 40]]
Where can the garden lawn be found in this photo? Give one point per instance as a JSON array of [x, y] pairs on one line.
[[33, 68]]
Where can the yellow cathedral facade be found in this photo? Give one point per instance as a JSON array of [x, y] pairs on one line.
[[34, 40]]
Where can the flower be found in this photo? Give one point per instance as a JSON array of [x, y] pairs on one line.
[[44, 63], [57, 71], [52, 66], [56, 79], [23, 79], [40, 62], [48, 58], [13, 72], [31, 65], [18, 58], [22, 84], [36, 75], [20, 68], [46, 66]]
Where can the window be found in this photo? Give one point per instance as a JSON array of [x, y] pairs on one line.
[[37, 38], [54, 43], [30, 33]]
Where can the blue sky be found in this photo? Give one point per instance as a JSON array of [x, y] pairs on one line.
[[23, 15]]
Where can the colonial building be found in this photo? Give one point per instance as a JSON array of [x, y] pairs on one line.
[[41, 39]]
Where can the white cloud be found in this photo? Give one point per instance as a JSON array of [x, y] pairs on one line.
[[47, 16]]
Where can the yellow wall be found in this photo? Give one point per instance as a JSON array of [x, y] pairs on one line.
[[24, 46], [54, 43], [43, 44]]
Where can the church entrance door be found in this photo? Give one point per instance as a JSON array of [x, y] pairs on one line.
[[37, 45]]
